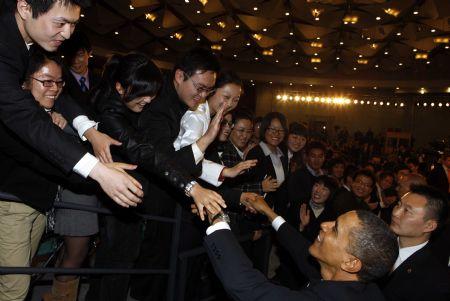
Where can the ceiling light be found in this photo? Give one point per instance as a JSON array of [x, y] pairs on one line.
[[441, 40], [428, 62], [362, 62], [264, 29], [368, 38], [316, 54], [353, 87], [414, 50], [204, 2], [178, 35], [317, 18], [315, 12], [256, 58], [354, 68], [235, 55], [374, 45], [397, 88], [131, 7], [316, 44], [291, 33], [386, 52], [338, 58], [353, 19], [415, 12], [447, 47], [376, 66], [216, 47], [248, 44], [286, 13], [375, 88], [315, 68], [392, 12], [224, 40], [166, 49], [198, 12], [360, 55], [150, 16], [198, 39], [296, 63], [221, 24], [315, 60], [82, 15], [341, 43], [277, 61], [267, 52], [400, 64], [116, 32], [399, 33], [421, 56], [236, 26], [378, 18], [257, 36], [208, 24], [433, 30], [255, 8]]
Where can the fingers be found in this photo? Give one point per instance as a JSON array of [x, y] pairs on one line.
[[201, 211], [114, 141], [124, 166]]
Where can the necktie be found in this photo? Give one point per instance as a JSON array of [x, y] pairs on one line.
[[83, 86]]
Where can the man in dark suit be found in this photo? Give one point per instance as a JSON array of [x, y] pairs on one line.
[[302, 180], [352, 251], [190, 82], [439, 177], [79, 78], [417, 274], [34, 23]]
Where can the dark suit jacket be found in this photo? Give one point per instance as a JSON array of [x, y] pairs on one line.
[[420, 277], [159, 124], [264, 168], [242, 282], [72, 87], [20, 112], [300, 186], [345, 201], [438, 179], [312, 229]]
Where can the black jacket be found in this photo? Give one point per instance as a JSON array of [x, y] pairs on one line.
[[420, 277], [312, 229], [243, 282], [20, 112], [345, 201], [120, 123], [437, 178]]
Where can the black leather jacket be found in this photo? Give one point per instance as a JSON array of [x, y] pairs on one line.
[[120, 123]]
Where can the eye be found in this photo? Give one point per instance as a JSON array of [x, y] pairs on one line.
[[59, 24]]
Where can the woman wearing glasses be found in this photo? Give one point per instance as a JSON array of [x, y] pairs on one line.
[[44, 81]]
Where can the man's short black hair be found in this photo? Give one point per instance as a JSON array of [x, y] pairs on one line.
[[366, 173], [350, 171], [197, 60], [315, 145], [383, 175], [38, 59], [40, 7], [242, 114], [78, 41], [436, 207], [374, 244]]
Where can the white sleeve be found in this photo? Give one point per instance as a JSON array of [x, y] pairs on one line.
[[211, 172], [85, 165], [277, 222], [198, 154], [191, 129], [81, 124], [219, 226]]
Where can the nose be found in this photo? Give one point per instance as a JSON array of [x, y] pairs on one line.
[[67, 30]]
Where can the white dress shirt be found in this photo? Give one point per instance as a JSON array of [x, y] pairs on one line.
[[276, 161], [276, 224], [405, 253], [193, 126]]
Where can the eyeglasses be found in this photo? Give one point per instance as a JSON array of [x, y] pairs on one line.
[[50, 83], [275, 131], [226, 122], [244, 131], [201, 89]]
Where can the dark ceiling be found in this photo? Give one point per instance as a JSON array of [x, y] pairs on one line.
[[371, 39]]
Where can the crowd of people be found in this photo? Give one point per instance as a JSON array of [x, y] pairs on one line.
[[320, 219]]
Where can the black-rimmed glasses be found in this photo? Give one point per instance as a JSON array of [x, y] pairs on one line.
[[49, 83], [201, 89]]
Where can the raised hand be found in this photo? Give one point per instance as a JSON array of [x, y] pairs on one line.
[[240, 168], [206, 199], [304, 216], [101, 144], [59, 120], [269, 184], [213, 130]]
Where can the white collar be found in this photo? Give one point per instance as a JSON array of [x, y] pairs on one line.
[[240, 153], [313, 172], [29, 45], [266, 150], [405, 253]]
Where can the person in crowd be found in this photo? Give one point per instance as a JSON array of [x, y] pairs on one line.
[[400, 170], [318, 209], [439, 177], [215, 150], [385, 180], [336, 169], [45, 82], [417, 274], [387, 204], [360, 196], [302, 181], [256, 132], [413, 165], [31, 25], [79, 78], [295, 143], [405, 182], [353, 252], [349, 173], [194, 124], [128, 85], [189, 84]]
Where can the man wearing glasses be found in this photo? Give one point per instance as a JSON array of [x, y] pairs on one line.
[[190, 82]]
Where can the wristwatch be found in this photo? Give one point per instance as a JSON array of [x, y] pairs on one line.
[[188, 188], [221, 215]]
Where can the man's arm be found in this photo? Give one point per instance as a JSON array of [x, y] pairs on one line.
[[240, 280]]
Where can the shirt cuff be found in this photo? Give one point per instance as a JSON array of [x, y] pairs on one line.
[[198, 154], [81, 124], [277, 222], [211, 172], [219, 226], [85, 165]]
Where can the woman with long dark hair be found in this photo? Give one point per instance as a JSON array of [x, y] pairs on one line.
[[128, 84]]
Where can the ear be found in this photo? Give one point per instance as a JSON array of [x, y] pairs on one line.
[[179, 76], [351, 264], [120, 89], [430, 226], [24, 10]]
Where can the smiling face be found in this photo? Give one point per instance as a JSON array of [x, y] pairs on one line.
[[337, 170], [274, 133], [362, 187], [330, 246], [315, 158], [50, 29], [193, 90], [296, 142], [80, 62], [46, 96], [242, 133], [320, 193], [138, 104], [225, 127], [227, 95]]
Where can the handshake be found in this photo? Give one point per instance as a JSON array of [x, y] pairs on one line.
[[253, 203]]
